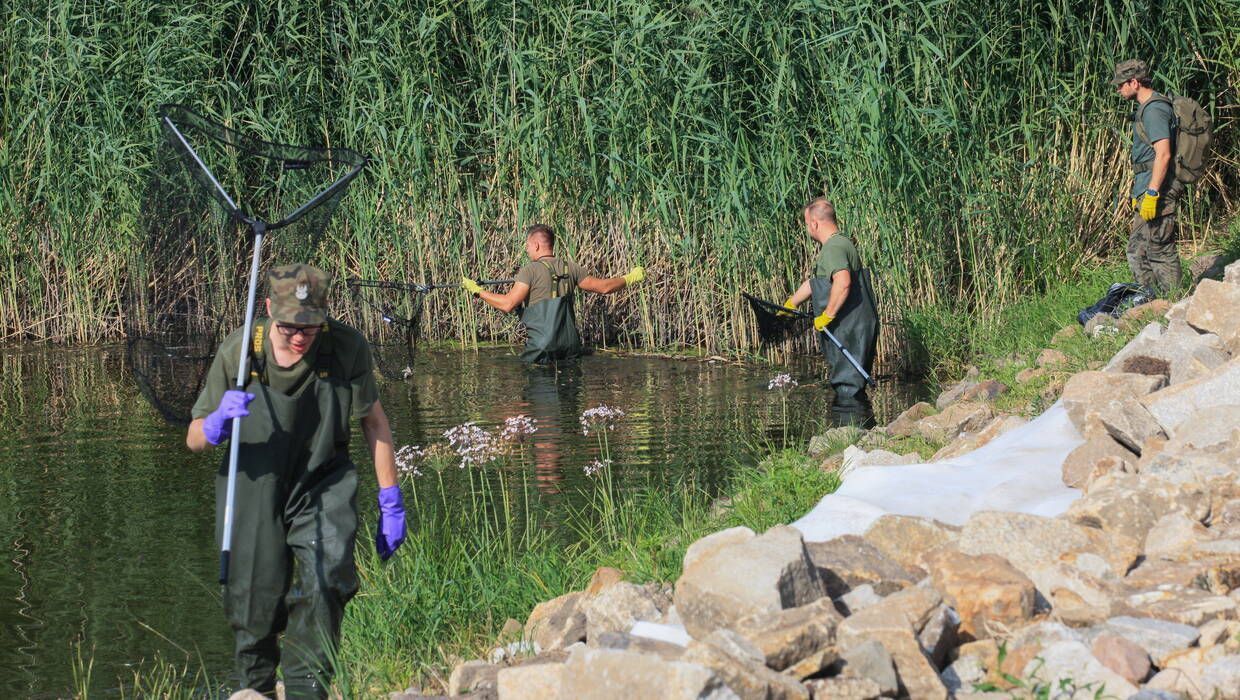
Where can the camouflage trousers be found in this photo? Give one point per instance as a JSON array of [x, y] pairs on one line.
[[1152, 255]]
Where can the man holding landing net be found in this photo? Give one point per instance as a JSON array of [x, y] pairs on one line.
[[295, 516], [844, 303], [545, 285]]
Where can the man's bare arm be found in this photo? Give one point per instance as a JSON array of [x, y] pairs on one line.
[[841, 281], [508, 301], [602, 285], [1162, 162], [378, 434]]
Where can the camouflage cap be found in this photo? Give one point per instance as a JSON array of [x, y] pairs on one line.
[[298, 294], [1132, 69]]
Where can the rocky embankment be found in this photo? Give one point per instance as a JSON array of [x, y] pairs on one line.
[[1132, 592]]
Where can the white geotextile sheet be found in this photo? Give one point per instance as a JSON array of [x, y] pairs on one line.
[[1018, 471]]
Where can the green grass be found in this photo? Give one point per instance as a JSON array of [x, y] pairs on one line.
[[973, 148]]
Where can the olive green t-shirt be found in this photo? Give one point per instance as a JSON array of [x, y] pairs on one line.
[[1157, 118], [538, 277], [838, 253], [350, 360]]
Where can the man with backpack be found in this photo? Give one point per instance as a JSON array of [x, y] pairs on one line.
[[546, 285], [1169, 138]]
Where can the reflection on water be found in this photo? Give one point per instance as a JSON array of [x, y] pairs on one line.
[[106, 518]]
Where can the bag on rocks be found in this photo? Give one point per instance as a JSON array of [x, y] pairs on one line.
[[1120, 297]]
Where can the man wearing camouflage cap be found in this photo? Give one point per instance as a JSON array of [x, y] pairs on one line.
[[295, 514], [1152, 254]]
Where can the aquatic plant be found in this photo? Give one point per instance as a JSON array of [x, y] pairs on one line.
[[473, 444], [600, 418], [596, 467], [518, 428], [409, 460], [783, 383]]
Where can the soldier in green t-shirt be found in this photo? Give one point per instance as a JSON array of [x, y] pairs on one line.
[[295, 512], [545, 285], [1152, 254], [843, 303]]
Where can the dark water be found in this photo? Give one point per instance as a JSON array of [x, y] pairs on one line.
[[106, 519]]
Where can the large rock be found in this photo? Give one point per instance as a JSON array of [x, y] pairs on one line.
[[940, 635], [1189, 606], [1215, 308], [1173, 537], [986, 390], [622, 604], [1078, 594], [1030, 542], [953, 393], [905, 425], [739, 664], [895, 623], [967, 442], [844, 689], [471, 676], [1129, 423], [603, 578], [850, 560], [870, 661], [532, 682], [557, 623], [1128, 505], [788, 636], [1099, 454], [1219, 575], [1122, 656], [1189, 354], [631, 642], [1071, 663], [607, 674], [983, 589], [1085, 391], [1222, 678], [1172, 406], [905, 538], [957, 418], [738, 576]]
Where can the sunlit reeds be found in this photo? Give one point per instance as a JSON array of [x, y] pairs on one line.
[[975, 150]]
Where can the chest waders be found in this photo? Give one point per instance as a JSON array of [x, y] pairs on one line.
[[856, 327], [295, 526], [551, 324]]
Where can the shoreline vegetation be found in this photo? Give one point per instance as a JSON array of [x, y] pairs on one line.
[[467, 574], [974, 151]]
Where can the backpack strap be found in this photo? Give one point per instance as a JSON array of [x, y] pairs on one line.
[[1139, 125]]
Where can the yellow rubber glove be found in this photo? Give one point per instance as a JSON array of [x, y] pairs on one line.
[[1149, 206], [787, 305], [637, 274], [470, 286], [822, 320]]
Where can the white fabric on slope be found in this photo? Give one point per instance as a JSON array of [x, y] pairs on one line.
[[1019, 471]]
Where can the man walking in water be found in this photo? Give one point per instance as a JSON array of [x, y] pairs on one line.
[[1152, 255], [295, 515], [545, 285], [843, 302]]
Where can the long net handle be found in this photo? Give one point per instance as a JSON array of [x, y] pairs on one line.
[[243, 367]]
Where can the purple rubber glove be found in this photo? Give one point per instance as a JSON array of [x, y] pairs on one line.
[[217, 426], [391, 522]]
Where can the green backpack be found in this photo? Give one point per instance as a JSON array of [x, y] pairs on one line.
[[1192, 133]]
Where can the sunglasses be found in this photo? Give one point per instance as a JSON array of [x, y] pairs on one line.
[[290, 331]]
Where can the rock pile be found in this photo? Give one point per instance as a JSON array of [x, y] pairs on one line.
[[1133, 592]]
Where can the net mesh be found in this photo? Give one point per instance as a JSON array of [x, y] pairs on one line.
[[208, 186], [775, 323], [392, 312]]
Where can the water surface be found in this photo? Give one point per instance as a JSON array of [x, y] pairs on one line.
[[106, 518]]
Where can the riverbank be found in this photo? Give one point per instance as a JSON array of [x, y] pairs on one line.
[[1125, 583]]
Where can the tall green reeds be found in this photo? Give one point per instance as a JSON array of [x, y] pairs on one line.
[[974, 149]]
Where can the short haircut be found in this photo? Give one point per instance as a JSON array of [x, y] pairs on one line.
[[820, 209], [544, 233], [1145, 82]]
